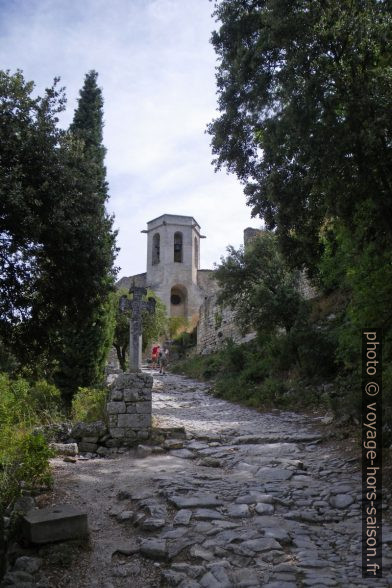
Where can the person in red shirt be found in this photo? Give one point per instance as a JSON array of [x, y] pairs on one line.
[[154, 355]]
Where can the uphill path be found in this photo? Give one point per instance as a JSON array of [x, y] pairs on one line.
[[247, 499]]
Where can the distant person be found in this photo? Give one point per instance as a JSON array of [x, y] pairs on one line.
[[154, 355], [163, 356]]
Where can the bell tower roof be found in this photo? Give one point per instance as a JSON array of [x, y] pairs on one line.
[[172, 219]]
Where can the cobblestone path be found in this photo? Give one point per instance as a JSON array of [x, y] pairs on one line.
[[246, 500]]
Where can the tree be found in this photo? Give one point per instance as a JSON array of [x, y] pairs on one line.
[[87, 330], [257, 283], [33, 194], [28, 171], [304, 90], [58, 246], [154, 325]]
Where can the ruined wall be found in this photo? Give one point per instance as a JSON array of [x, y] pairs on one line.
[[206, 281], [137, 281], [216, 325]]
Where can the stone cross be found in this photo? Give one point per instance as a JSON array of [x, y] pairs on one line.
[[136, 305]]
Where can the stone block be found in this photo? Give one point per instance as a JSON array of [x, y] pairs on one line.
[[137, 385], [103, 451], [117, 433], [143, 435], [116, 407], [65, 448], [55, 523], [116, 395], [131, 408], [144, 451], [113, 443], [131, 395], [129, 379], [129, 442], [144, 407], [90, 439], [145, 394], [87, 447], [134, 421], [88, 429], [113, 420]]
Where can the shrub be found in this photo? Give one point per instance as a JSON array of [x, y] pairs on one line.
[[24, 454], [184, 342], [15, 405], [24, 462], [271, 392], [316, 351], [88, 405], [22, 403]]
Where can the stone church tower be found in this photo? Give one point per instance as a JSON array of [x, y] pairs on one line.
[[173, 245], [173, 266]]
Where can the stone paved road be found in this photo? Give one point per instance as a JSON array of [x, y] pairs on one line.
[[288, 508], [247, 500]]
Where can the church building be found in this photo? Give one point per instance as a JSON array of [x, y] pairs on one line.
[[173, 266]]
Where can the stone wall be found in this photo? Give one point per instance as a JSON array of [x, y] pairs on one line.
[[137, 281], [250, 233], [206, 281], [306, 289], [129, 408], [216, 325]]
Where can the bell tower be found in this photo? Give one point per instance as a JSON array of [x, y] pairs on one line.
[[173, 261]]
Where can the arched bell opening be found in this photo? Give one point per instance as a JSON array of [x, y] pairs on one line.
[[178, 254], [156, 249]]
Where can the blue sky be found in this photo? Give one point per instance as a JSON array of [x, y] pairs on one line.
[[156, 69]]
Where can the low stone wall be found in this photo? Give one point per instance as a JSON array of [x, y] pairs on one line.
[[129, 408]]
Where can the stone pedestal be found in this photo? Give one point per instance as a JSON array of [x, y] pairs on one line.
[[129, 408]]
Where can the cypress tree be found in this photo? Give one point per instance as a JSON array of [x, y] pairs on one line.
[[87, 327]]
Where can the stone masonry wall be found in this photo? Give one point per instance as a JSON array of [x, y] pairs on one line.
[[216, 325], [129, 408]]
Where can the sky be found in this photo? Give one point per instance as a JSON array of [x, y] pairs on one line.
[[156, 69]]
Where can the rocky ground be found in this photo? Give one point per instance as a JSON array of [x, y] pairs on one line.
[[245, 500]]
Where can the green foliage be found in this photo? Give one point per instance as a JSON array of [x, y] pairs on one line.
[[154, 325], [303, 91], [57, 241], [24, 454], [23, 459], [88, 332], [270, 371], [21, 402], [88, 405], [177, 325], [303, 94], [201, 367], [218, 318], [257, 283], [8, 362], [184, 342], [84, 361], [365, 274]]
